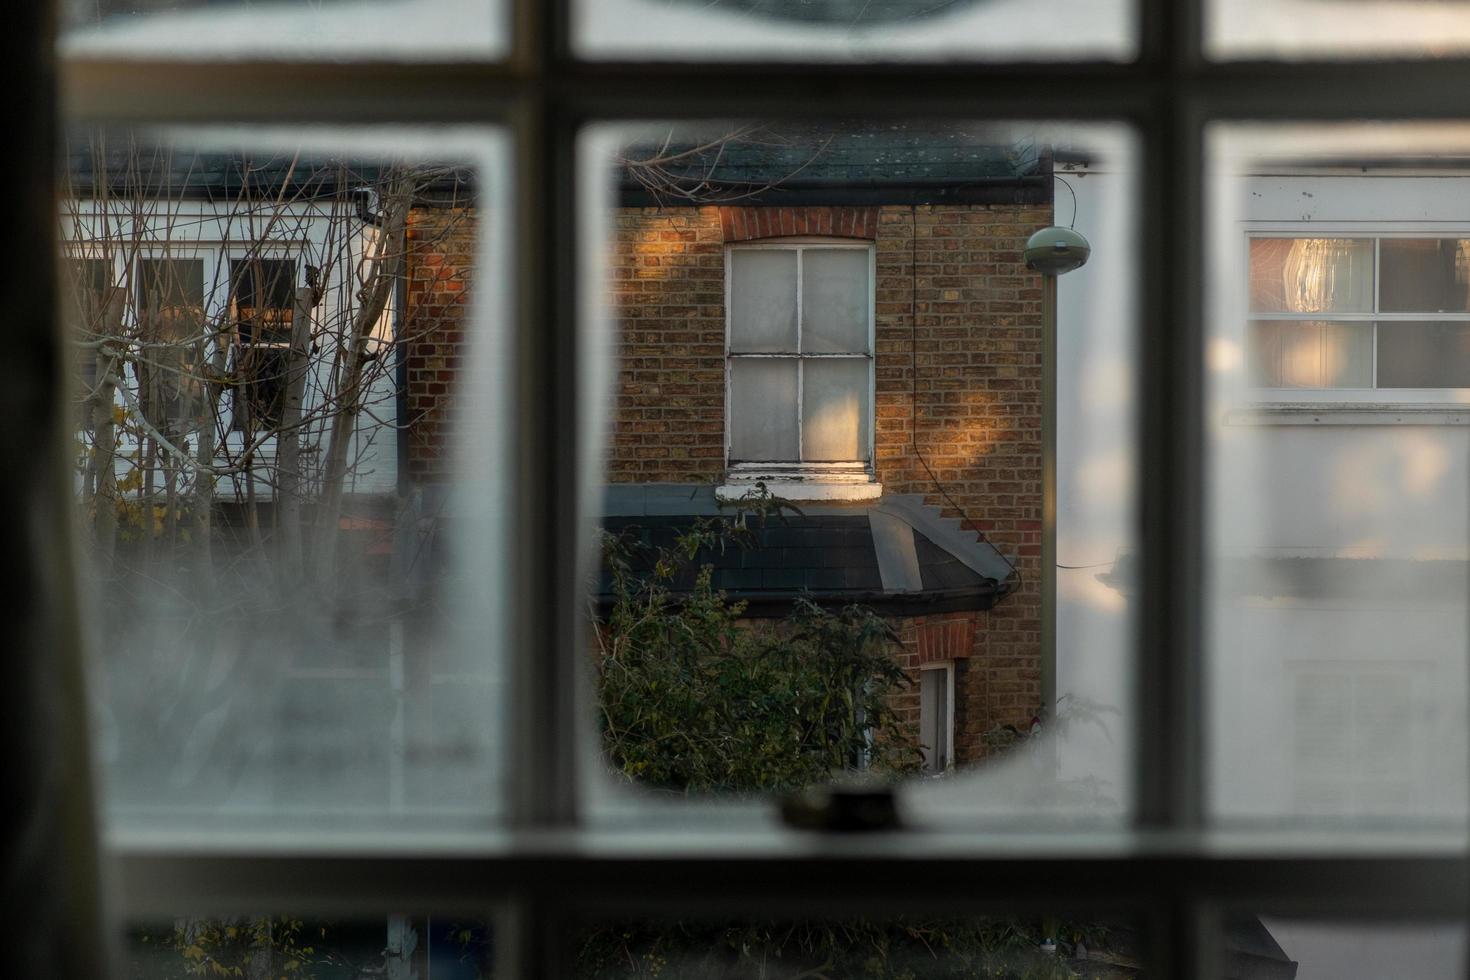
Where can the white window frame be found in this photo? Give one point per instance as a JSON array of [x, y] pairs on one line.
[[796, 479], [1373, 398]]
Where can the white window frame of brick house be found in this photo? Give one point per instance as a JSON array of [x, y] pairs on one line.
[[549, 865], [947, 667], [797, 479], [1370, 397]]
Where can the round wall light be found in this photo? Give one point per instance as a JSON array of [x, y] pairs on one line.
[[1056, 250]]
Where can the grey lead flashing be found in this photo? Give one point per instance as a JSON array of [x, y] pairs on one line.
[[898, 562], [978, 555]]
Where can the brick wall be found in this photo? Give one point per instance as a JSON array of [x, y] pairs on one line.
[[959, 270], [441, 253], [668, 293]]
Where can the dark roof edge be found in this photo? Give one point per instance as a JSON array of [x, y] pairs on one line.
[[778, 604], [1029, 189]]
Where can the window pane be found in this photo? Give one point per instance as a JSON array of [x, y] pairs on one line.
[[1424, 355], [934, 724], [763, 408], [287, 29], [1338, 536], [763, 300], [1310, 354], [1311, 275], [1424, 275], [1300, 948], [834, 412], [292, 528], [1305, 29], [916, 510], [835, 298], [847, 30]]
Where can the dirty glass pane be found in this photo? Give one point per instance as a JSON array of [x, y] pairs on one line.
[[854, 30], [1342, 29], [1424, 275], [193, 30], [763, 300], [444, 947], [912, 518], [1311, 275], [1310, 354], [835, 300], [1295, 947], [1339, 547], [288, 496], [763, 408], [834, 408]]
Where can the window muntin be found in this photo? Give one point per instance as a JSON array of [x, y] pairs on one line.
[[800, 357], [1348, 313]]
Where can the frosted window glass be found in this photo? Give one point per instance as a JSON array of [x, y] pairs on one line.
[[763, 409], [270, 657], [1424, 275], [834, 417], [763, 300], [834, 301], [1424, 355], [1311, 275], [854, 30], [286, 29], [1311, 354]]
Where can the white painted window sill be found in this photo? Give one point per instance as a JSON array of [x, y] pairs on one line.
[[1349, 413], [800, 481]]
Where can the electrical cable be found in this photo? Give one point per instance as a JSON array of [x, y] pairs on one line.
[[1073, 223], [914, 392]]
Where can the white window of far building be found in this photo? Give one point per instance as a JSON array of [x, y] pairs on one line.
[[799, 366], [936, 716], [1384, 311]]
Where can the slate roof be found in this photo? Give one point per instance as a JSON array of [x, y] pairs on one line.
[[834, 554], [134, 162], [790, 159]]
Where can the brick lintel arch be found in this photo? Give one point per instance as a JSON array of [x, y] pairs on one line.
[[743, 224]]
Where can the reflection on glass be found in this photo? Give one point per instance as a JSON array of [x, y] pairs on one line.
[[1311, 275], [207, 29], [268, 462], [1311, 354], [843, 30], [1042, 946], [1295, 948], [834, 413], [1424, 275], [1339, 542], [444, 947], [825, 560]]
